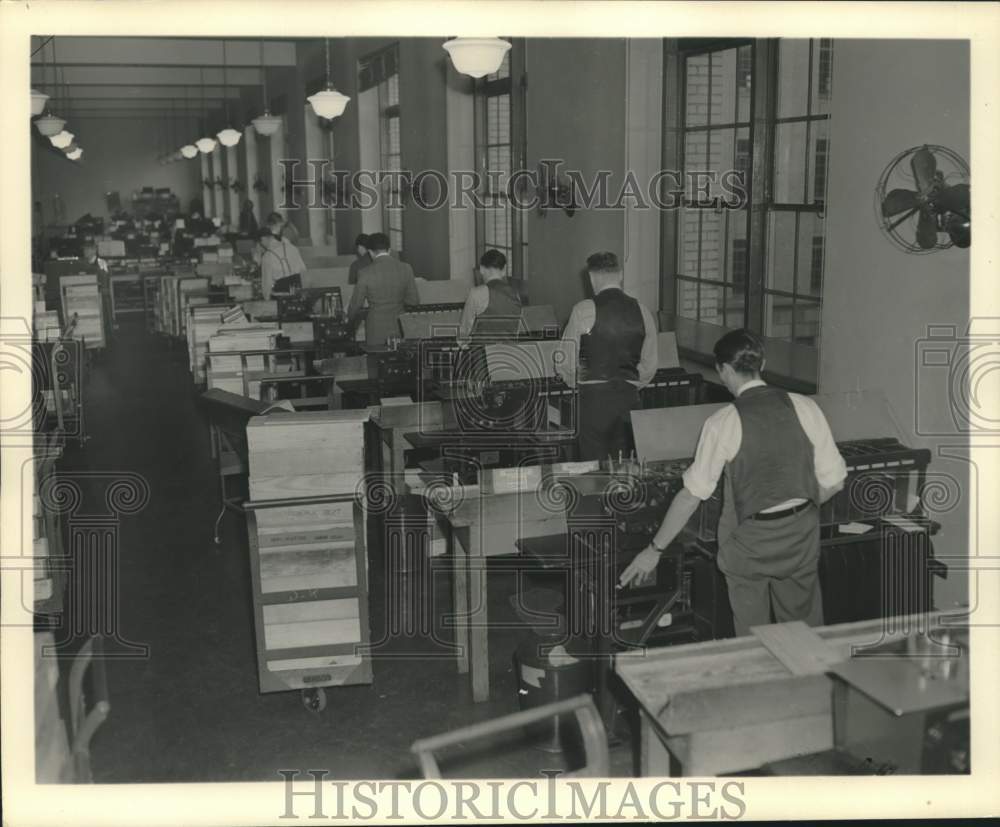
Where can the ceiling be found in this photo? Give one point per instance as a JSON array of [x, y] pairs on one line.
[[122, 77]]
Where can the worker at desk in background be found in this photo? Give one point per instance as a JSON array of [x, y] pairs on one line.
[[362, 258], [780, 464], [281, 265], [389, 286], [616, 339], [493, 307]]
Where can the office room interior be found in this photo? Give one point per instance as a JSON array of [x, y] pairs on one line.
[[277, 525]]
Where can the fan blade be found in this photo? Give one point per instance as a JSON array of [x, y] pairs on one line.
[[926, 230], [924, 166], [960, 231], [954, 199], [898, 201]]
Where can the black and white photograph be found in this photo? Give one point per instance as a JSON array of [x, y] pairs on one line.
[[544, 411]]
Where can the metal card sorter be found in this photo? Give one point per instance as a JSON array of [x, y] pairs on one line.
[[308, 564], [876, 552]]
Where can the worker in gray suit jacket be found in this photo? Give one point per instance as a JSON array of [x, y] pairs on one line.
[[389, 287]]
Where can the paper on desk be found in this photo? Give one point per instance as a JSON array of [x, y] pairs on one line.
[[280, 405], [854, 528]]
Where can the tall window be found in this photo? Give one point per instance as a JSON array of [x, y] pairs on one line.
[[381, 71], [758, 110], [500, 143]]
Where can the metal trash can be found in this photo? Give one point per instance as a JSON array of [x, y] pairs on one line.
[[547, 671]]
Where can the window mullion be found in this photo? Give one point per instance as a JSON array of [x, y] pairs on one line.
[[763, 106]]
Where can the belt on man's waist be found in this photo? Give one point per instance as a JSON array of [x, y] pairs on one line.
[[777, 515]]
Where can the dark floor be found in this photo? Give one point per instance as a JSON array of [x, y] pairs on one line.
[[191, 710]]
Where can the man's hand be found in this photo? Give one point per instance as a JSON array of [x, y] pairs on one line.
[[640, 567]]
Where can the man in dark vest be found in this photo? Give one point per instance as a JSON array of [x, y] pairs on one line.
[[616, 339], [493, 308], [780, 464]]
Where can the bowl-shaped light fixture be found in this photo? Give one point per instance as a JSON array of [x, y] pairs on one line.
[[205, 145], [477, 56], [38, 102], [62, 139], [229, 136], [75, 155], [329, 103], [189, 151], [49, 125], [266, 124]]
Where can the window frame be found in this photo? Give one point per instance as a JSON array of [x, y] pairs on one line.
[[376, 70], [515, 87], [763, 121]]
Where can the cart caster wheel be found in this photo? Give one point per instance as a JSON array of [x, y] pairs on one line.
[[314, 699]]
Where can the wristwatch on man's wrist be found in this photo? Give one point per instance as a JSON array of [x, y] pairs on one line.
[[656, 548]]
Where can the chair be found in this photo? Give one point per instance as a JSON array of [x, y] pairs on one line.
[[595, 742], [84, 721]]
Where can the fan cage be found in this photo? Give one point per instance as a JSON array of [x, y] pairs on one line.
[[893, 234]]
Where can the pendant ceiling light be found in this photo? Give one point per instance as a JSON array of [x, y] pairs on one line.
[[477, 56], [49, 125], [205, 145], [188, 151], [228, 136], [38, 100], [75, 155], [329, 103], [266, 124], [62, 139]]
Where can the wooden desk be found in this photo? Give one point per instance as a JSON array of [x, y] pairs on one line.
[[479, 526], [391, 424], [731, 705]]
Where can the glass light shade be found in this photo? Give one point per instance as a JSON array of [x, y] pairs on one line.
[[49, 125], [38, 102], [329, 103], [477, 56], [75, 155], [189, 151], [229, 136], [205, 145], [266, 124], [62, 139]]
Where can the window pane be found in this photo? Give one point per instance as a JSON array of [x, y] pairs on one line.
[[778, 311], [793, 78], [807, 321], [744, 83], [688, 224], [392, 97], [695, 160], [735, 300], [790, 163], [724, 83], [712, 246], [696, 88], [687, 298], [722, 157], [818, 160], [781, 251], [737, 265], [711, 308], [822, 75], [810, 269], [743, 157]]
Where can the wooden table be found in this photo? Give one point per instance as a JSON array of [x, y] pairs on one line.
[[731, 705]]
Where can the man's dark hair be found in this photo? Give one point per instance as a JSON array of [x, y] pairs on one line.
[[378, 243], [274, 219], [603, 262], [741, 349], [363, 240], [493, 259]]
